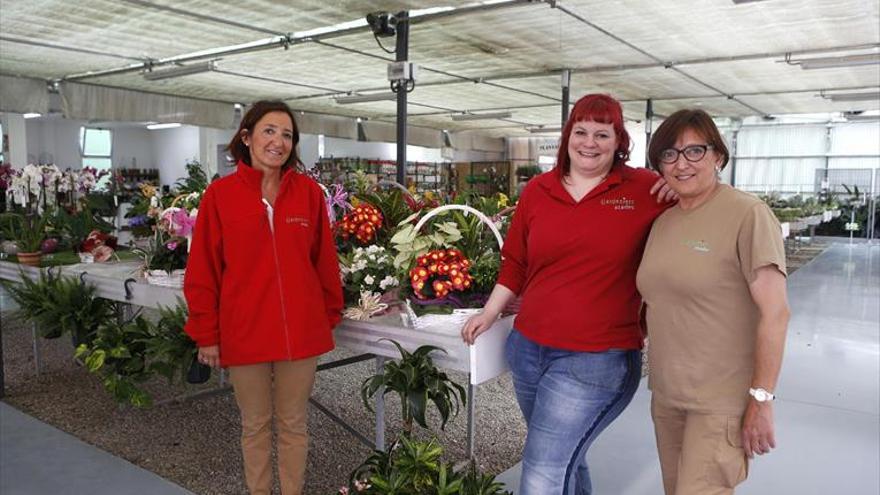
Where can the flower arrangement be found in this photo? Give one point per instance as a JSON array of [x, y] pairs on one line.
[[368, 270], [439, 272], [97, 247], [362, 223]]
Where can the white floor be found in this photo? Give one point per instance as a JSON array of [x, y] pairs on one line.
[[828, 411]]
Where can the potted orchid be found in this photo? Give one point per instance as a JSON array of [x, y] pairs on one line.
[[164, 257]]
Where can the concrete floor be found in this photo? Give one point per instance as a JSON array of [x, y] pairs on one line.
[[828, 411], [37, 459]]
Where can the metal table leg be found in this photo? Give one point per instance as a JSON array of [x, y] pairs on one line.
[[380, 408], [471, 393], [37, 358]]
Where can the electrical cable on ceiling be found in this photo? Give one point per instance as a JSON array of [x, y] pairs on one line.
[[382, 46]]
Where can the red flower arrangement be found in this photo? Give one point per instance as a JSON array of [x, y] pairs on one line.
[[98, 244], [363, 222], [439, 272]]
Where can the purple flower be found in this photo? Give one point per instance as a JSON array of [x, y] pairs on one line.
[[137, 221], [171, 245]]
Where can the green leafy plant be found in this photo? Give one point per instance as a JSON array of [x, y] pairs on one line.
[[170, 351], [76, 227], [119, 355], [28, 231], [414, 467], [418, 381], [36, 300]]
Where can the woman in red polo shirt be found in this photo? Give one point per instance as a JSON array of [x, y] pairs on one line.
[[572, 252], [263, 290]]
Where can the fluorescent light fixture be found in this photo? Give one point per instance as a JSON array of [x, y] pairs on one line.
[[836, 62], [543, 129], [862, 118], [872, 96], [345, 100], [179, 71], [458, 117], [32, 115], [746, 1], [156, 127]]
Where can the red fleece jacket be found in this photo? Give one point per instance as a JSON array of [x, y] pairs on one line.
[[263, 294]]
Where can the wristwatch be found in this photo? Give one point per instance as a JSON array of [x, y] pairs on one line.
[[761, 395]]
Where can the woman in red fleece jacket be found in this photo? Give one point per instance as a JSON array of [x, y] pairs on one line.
[[263, 289]]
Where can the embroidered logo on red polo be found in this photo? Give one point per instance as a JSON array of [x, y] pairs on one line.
[[621, 203]]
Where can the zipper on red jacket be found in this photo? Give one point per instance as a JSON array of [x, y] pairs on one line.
[[270, 213]]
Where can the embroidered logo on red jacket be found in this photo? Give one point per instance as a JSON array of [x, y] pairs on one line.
[[301, 221]]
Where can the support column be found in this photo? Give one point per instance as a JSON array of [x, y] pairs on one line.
[[402, 53], [649, 123], [566, 87], [733, 140]]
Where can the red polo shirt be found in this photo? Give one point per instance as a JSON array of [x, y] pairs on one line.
[[574, 263]]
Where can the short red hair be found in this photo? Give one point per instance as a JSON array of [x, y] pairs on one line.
[[599, 108]]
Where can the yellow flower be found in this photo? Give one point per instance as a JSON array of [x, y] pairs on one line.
[[148, 190], [503, 200]]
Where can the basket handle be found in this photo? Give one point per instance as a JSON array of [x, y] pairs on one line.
[[469, 209]]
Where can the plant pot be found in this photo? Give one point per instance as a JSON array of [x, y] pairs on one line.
[[51, 334], [30, 259], [198, 373]]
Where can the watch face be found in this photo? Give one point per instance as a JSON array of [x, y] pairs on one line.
[[761, 395]]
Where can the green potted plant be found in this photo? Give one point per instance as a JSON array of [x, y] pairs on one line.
[[119, 355], [418, 381], [171, 352], [27, 231], [36, 300]]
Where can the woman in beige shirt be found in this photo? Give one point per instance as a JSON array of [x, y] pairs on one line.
[[713, 281]]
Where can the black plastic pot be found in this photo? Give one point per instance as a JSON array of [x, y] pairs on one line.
[[198, 373]]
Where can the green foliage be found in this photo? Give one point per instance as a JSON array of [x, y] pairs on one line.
[[418, 381], [196, 181], [27, 230], [60, 305], [119, 355], [170, 351], [410, 244], [485, 272], [414, 467], [75, 227], [36, 300], [393, 206], [528, 171]]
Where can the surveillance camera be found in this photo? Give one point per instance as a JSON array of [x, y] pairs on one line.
[[383, 24]]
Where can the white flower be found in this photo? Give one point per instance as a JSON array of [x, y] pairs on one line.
[[388, 281], [369, 280]]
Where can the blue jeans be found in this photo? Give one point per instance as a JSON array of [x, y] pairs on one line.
[[567, 399]]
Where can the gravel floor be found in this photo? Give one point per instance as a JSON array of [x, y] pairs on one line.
[[195, 443]]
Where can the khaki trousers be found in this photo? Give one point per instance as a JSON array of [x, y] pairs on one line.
[[700, 454], [288, 397]]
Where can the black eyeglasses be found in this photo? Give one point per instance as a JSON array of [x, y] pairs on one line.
[[692, 153]]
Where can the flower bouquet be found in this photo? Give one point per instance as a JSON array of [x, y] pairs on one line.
[[97, 247], [164, 257], [370, 281]]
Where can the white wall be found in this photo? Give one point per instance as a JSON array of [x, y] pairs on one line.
[[16, 133], [172, 148]]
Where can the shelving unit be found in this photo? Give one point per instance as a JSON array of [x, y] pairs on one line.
[[425, 176], [130, 178]]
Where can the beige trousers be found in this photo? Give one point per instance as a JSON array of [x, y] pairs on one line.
[[700, 454], [288, 397]]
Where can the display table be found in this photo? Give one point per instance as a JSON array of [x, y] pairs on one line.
[[482, 361]]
